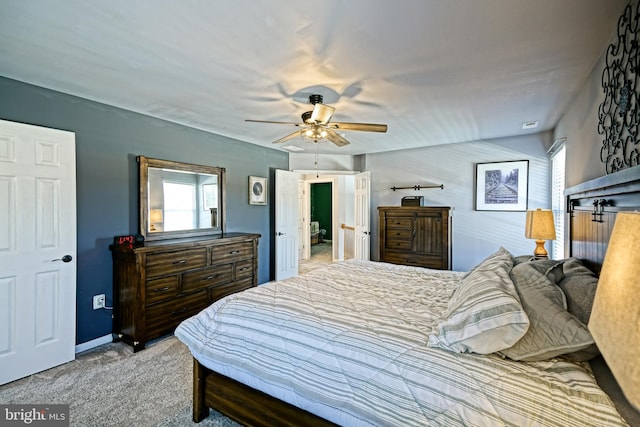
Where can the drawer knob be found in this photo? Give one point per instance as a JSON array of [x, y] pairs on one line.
[[166, 288], [234, 252], [182, 261], [182, 310], [213, 276]]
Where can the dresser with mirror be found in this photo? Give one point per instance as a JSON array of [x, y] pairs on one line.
[[183, 259]]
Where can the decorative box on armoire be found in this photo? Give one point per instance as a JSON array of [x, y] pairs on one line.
[[183, 259], [419, 236]]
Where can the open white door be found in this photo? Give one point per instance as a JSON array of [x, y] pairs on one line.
[[286, 224], [37, 249], [362, 193], [303, 249]]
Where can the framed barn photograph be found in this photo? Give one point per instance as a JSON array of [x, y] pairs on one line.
[[257, 190], [502, 186]]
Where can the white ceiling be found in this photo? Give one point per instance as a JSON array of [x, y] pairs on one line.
[[435, 71]]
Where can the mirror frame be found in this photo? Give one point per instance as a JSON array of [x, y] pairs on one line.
[[144, 163]]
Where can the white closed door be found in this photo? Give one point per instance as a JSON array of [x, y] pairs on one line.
[[286, 224], [362, 224], [37, 249]]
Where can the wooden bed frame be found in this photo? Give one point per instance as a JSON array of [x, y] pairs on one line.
[[591, 211]]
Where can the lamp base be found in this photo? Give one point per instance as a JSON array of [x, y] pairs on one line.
[[540, 252]]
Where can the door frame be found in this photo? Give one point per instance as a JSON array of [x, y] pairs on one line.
[[333, 180]]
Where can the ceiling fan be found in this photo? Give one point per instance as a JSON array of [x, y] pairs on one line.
[[316, 125]]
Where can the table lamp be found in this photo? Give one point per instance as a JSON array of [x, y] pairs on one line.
[[155, 217], [540, 226], [615, 317]]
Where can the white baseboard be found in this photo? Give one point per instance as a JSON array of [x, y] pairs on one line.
[[93, 343]]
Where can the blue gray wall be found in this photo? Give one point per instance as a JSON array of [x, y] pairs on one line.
[[108, 139]]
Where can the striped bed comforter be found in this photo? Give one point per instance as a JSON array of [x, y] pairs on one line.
[[349, 343]]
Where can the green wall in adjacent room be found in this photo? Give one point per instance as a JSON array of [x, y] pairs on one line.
[[321, 206]]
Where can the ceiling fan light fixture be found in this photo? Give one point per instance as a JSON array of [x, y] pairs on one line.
[[316, 125], [314, 133]]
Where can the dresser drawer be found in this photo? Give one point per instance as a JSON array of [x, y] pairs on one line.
[[162, 318], [165, 263], [160, 289], [203, 278], [225, 253], [244, 269], [217, 292]]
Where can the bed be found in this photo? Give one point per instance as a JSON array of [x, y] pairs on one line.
[[370, 343]]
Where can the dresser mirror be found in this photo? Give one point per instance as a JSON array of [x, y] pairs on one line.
[[180, 199]]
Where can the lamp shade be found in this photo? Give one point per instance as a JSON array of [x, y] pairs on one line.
[[540, 225], [155, 215], [615, 316], [321, 113]]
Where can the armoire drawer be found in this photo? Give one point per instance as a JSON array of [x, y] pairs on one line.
[[428, 261], [400, 244], [399, 222], [203, 278], [165, 263], [400, 233]]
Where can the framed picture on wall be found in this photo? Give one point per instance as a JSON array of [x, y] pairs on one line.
[[502, 186], [257, 190]]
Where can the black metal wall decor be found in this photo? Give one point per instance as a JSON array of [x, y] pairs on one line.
[[618, 115]]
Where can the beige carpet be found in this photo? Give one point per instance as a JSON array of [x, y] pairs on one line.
[[320, 256], [112, 386]]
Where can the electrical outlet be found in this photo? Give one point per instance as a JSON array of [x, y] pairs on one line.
[[98, 301]]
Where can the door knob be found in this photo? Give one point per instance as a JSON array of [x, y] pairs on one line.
[[66, 258], [280, 233]]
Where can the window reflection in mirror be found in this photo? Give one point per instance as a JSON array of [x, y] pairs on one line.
[[178, 199]]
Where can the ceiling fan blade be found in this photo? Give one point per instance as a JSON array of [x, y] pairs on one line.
[[334, 137], [287, 137], [321, 113], [365, 127], [274, 122]]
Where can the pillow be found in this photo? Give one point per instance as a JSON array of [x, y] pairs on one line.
[[579, 287], [484, 314], [522, 258], [553, 331], [550, 268], [501, 252]]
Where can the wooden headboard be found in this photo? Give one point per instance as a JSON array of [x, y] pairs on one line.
[[591, 211]]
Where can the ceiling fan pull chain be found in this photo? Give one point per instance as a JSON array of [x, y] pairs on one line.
[[316, 162]]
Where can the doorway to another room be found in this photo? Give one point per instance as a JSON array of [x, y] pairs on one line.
[[320, 227]]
